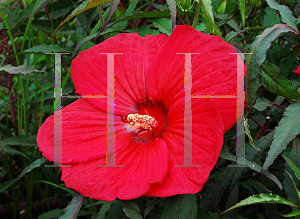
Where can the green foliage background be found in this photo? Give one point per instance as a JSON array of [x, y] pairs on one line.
[[267, 29]]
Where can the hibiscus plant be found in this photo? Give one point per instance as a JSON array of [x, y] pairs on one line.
[[149, 109]]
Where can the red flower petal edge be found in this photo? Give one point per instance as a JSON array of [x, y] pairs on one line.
[[149, 115]]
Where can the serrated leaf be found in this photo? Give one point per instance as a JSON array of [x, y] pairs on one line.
[[252, 81], [180, 206], [288, 128], [285, 14], [262, 198], [297, 191], [292, 166], [31, 166], [274, 82], [131, 209], [172, 7], [242, 7], [263, 42], [46, 48], [86, 5], [23, 69], [71, 211]]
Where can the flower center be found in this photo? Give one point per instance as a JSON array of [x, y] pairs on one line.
[[136, 120]]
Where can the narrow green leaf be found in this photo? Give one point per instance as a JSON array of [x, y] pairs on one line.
[[285, 14], [172, 7], [6, 185], [247, 131], [5, 149], [292, 166], [86, 5], [262, 198], [292, 214], [288, 184], [19, 140], [297, 191], [146, 14], [180, 206], [23, 69], [286, 131], [131, 209], [104, 208], [207, 15], [46, 48], [263, 42], [252, 81], [242, 7], [50, 214], [73, 207], [276, 83], [31, 166]]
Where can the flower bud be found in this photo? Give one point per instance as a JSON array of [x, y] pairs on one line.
[[254, 3], [224, 7], [185, 5]]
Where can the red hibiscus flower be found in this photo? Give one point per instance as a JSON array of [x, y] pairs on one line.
[[149, 115], [298, 71]]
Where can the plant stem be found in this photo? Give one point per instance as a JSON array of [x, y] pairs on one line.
[[197, 14]]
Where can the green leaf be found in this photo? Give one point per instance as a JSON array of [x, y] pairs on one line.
[[274, 82], [215, 191], [46, 48], [180, 206], [297, 191], [262, 198], [242, 7], [248, 133], [207, 15], [31, 166], [163, 24], [50, 214], [6, 185], [271, 18], [146, 14], [285, 14], [261, 104], [292, 214], [263, 42], [86, 5], [143, 31], [252, 81], [73, 207], [5, 149], [172, 7], [104, 208], [19, 140], [23, 69], [132, 210], [288, 184], [292, 166], [286, 131]]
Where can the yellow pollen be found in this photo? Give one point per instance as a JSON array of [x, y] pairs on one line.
[[137, 120]]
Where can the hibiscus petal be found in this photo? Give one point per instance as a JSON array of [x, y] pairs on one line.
[[83, 133], [143, 164], [207, 132], [89, 69], [214, 71]]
